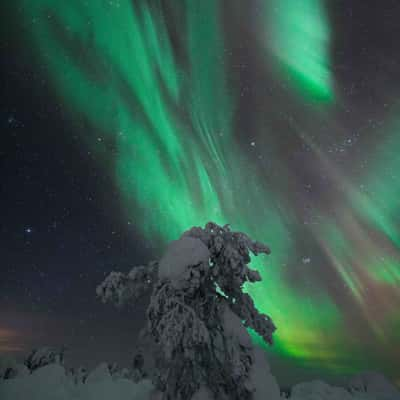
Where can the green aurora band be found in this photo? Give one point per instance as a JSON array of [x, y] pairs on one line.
[[297, 34], [163, 117]]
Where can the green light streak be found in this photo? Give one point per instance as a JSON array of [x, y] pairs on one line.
[[340, 252], [378, 200], [298, 36], [368, 270], [385, 270]]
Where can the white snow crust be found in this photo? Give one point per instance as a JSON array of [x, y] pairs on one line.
[[318, 390], [264, 383], [180, 255], [52, 383], [234, 329]]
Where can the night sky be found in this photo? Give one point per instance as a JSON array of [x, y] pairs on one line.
[[124, 123]]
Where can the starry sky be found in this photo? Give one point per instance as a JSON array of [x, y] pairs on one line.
[[125, 123]]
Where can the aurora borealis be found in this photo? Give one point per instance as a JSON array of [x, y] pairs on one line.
[[298, 37], [238, 113]]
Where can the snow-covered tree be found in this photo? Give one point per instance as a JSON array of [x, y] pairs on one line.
[[198, 314], [78, 375], [44, 356], [10, 368]]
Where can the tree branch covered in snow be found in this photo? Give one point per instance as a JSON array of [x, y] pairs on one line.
[[120, 288], [230, 255]]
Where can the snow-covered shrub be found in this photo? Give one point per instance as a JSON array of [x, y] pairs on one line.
[[122, 373], [374, 385], [318, 390], [44, 356], [100, 373], [52, 383], [10, 368], [78, 375]]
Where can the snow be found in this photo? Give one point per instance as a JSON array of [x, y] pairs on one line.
[[180, 255], [44, 383], [51, 383], [9, 368], [318, 390], [120, 389], [264, 383], [365, 386], [100, 373], [375, 385], [234, 329], [203, 394]]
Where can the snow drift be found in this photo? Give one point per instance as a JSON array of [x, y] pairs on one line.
[[53, 382]]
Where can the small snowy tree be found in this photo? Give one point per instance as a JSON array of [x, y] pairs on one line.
[[10, 368], [198, 313], [78, 375], [44, 356]]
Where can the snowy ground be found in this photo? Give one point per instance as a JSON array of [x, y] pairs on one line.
[[51, 382]]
